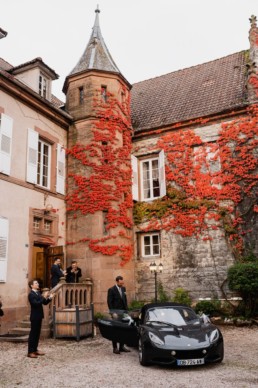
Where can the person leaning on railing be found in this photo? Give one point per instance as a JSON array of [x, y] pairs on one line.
[[73, 273]]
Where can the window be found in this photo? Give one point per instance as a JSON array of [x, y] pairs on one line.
[[122, 97], [47, 226], [105, 223], [150, 179], [81, 95], [43, 166], [36, 223], [104, 93], [42, 86], [150, 182], [39, 153], [104, 151], [150, 244]]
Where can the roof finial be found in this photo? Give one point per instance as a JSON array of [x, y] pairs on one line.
[[97, 9], [253, 21]]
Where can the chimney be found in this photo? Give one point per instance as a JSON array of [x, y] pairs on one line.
[[3, 33]]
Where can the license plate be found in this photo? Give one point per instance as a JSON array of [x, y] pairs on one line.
[[194, 361]]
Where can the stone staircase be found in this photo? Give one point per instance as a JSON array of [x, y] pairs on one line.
[[20, 333], [22, 328]]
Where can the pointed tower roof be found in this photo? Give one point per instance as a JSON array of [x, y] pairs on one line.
[[96, 55]]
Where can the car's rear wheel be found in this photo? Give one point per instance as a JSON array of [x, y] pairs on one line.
[[142, 355]]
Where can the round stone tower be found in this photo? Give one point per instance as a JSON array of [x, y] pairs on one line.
[[99, 200]]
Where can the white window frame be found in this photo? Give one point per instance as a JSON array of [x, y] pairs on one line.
[[48, 226], [40, 164], [161, 172], [149, 161], [151, 235], [6, 130], [43, 85], [4, 230], [36, 223]]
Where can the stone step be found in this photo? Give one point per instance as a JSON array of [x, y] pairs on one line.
[[24, 323], [20, 330], [13, 338]]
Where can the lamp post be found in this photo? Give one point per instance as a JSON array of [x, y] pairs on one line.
[[154, 269]]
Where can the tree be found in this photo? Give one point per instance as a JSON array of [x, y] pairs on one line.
[[243, 278]]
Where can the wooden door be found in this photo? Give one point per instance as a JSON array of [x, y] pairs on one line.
[[51, 254]]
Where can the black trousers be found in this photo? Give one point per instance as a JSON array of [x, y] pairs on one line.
[[34, 335], [115, 345]]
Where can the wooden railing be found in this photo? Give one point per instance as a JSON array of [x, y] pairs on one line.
[[69, 295]]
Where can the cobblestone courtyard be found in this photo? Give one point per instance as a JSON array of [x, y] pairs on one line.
[[91, 363]]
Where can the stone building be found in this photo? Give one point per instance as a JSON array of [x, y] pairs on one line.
[[160, 171]]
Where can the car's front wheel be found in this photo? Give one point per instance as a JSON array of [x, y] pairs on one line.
[[142, 355]]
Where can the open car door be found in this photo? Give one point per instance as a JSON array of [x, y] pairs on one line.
[[119, 331]]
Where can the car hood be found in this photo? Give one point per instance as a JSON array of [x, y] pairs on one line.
[[184, 337]]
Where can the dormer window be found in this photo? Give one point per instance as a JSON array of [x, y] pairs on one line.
[[43, 82]]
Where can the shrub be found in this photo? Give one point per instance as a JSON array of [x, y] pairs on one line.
[[136, 304], [97, 316], [182, 296], [243, 278], [162, 295], [208, 307]]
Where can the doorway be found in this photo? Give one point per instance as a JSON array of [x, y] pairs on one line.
[[42, 259]]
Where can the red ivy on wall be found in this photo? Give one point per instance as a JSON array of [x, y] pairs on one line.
[[207, 181], [104, 182]]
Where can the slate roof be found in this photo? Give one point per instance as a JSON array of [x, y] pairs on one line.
[[198, 91], [6, 70], [37, 61], [96, 55], [5, 65]]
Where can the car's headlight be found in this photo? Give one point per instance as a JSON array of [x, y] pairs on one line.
[[214, 335], [155, 339]]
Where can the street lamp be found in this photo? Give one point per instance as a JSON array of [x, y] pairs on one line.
[[154, 268]]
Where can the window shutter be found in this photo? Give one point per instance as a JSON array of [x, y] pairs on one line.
[[60, 170], [4, 226], [32, 156], [162, 176], [6, 129], [135, 183]]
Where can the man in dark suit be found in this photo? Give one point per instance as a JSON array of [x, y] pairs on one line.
[[56, 272], [36, 301], [73, 273], [116, 300]]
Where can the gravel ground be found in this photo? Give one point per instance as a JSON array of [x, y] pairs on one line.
[[91, 363]]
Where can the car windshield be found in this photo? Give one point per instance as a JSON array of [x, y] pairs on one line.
[[178, 316]]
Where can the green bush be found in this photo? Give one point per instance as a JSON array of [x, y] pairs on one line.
[[208, 307], [136, 304], [182, 296], [162, 295], [243, 278]]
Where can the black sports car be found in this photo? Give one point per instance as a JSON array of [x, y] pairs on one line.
[[167, 334]]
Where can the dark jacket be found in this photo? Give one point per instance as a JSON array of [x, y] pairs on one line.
[[56, 274], [36, 301], [114, 300], [72, 277]]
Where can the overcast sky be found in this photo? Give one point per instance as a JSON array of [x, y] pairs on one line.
[[146, 38]]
